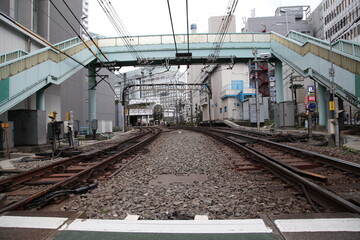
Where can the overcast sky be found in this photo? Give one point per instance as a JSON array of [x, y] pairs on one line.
[[151, 17]]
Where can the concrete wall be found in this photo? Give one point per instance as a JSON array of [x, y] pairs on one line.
[[316, 19], [72, 94], [216, 21], [11, 39], [277, 24]]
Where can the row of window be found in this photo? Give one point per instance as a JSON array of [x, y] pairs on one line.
[[342, 23], [350, 17], [354, 32], [339, 7]]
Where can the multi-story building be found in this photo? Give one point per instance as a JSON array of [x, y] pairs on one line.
[[285, 19], [341, 19], [336, 19], [42, 18], [231, 87], [171, 98], [288, 18]]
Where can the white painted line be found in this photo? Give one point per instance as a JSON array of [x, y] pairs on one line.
[[319, 225], [201, 217], [171, 226], [31, 222], [131, 217]]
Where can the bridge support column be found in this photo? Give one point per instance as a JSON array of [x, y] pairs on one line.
[[279, 82], [92, 93], [322, 105], [40, 100]]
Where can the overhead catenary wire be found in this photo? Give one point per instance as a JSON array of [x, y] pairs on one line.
[[172, 26], [117, 28], [40, 38], [85, 43], [223, 28], [187, 25], [50, 45], [87, 33], [102, 53], [31, 1], [120, 28], [74, 30]]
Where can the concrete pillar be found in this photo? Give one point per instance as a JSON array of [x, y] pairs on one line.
[[40, 100], [322, 106], [279, 82], [92, 93]]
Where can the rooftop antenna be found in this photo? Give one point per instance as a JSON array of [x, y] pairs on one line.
[[253, 12], [244, 20]]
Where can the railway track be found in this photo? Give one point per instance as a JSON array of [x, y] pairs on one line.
[[328, 181], [78, 174], [274, 137]]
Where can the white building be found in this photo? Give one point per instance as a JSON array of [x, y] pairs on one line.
[[155, 89], [341, 19]]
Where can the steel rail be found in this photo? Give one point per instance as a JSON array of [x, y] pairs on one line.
[[86, 173], [316, 193], [335, 162], [9, 182]]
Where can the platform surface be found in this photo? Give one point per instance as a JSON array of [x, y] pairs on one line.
[[68, 226]]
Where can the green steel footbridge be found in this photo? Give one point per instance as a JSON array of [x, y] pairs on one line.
[[23, 74]]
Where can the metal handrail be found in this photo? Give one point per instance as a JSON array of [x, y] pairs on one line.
[[348, 47], [12, 55]]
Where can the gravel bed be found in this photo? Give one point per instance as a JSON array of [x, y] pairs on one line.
[[96, 145], [226, 194], [23, 165], [344, 153]]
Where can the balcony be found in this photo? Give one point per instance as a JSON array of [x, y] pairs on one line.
[[231, 90], [229, 93]]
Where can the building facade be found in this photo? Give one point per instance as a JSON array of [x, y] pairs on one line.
[[284, 20], [42, 18], [231, 88], [141, 100], [336, 19]]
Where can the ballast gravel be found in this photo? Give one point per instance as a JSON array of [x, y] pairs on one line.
[[221, 192]]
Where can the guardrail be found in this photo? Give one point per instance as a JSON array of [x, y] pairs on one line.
[[348, 47], [182, 38], [67, 43], [12, 55]]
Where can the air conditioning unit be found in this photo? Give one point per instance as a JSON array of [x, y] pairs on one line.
[[265, 55]]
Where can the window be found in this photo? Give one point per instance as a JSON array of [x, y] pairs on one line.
[[225, 109], [220, 110]]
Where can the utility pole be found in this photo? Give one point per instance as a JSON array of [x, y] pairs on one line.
[[191, 108], [257, 91], [124, 106], [209, 96], [332, 106]]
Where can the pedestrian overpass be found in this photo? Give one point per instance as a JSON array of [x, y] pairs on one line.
[[23, 74]]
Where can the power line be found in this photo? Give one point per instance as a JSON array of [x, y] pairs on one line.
[[52, 46], [120, 28], [172, 25], [74, 30], [71, 35], [187, 25], [82, 26], [223, 28]]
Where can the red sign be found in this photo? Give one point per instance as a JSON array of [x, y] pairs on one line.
[[311, 98]]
